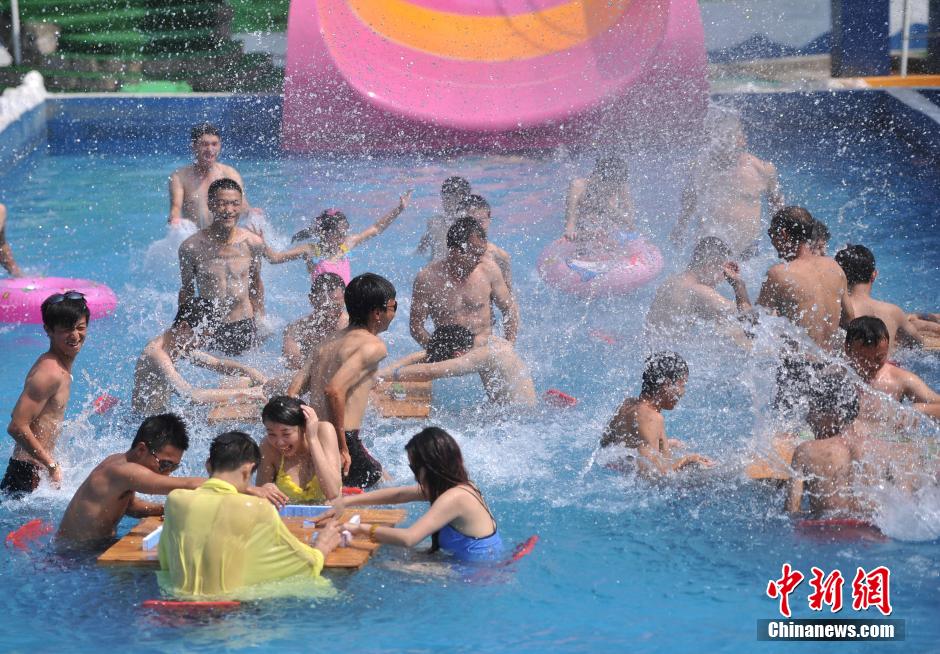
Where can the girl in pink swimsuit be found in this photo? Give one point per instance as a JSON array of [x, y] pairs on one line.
[[331, 230]]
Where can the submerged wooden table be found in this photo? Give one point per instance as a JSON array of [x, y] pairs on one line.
[[129, 550], [776, 465], [390, 399]]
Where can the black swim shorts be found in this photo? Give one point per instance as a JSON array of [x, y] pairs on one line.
[[365, 471], [234, 338], [21, 478]]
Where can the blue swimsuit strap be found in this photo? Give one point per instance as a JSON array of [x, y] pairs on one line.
[[475, 492]]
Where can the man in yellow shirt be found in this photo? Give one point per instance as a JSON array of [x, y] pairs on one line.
[[217, 540]]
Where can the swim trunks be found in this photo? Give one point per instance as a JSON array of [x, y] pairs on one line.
[[234, 338], [21, 478], [364, 471], [796, 377]]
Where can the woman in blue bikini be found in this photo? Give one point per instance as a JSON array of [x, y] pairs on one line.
[[458, 521]]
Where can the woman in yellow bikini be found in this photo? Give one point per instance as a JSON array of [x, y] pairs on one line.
[[299, 453]]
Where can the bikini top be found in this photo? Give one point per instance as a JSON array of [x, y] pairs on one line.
[[309, 493], [340, 267]]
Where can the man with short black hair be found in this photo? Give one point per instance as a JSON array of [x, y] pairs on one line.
[[156, 377], [807, 289], [189, 185], [110, 491], [460, 289], [866, 348], [218, 540], [37, 417], [858, 264], [476, 207], [341, 373], [223, 262], [639, 425]]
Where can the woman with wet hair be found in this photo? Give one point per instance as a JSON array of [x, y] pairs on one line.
[[601, 207], [459, 522], [299, 452]]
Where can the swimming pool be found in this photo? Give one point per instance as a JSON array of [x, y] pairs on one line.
[[620, 565]]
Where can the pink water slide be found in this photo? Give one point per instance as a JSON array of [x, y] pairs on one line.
[[404, 75]]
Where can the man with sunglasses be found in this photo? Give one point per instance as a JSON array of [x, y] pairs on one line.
[[37, 416], [110, 491], [340, 374]]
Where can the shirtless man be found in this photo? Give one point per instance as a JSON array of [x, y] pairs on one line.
[[224, 262], [109, 492], [858, 263], [638, 423], [189, 185], [40, 409], [807, 289], [452, 352], [831, 470], [303, 336], [866, 348], [454, 190], [476, 207], [342, 372], [690, 296], [6, 252], [725, 192], [460, 289], [156, 377]]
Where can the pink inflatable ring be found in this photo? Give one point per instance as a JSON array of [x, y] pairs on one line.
[[630, 266], [21, 297]]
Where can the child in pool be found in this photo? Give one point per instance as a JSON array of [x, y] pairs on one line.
[[331, 230], [458, 521], [299, 453]]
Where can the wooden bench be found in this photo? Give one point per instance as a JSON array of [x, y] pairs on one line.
[[129, 550], [390, 399]]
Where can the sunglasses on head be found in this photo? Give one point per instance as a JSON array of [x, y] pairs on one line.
[[62, 297], [165, 465]]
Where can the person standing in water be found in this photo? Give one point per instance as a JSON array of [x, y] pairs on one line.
[[452, 353], [599, 210], [460, 289], [690, 296], [639, 425], [858, 263], [299, 452], [342, 372], [454, 190], [476, 207], [110, 491], [725, 193], [866, 348], [189, 185], [37, 417], [6, 252], [331, 229], [809, 290], [458, 521], [304, 335], [223, 262]]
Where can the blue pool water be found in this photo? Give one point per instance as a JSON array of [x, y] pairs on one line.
[[620, 565]]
